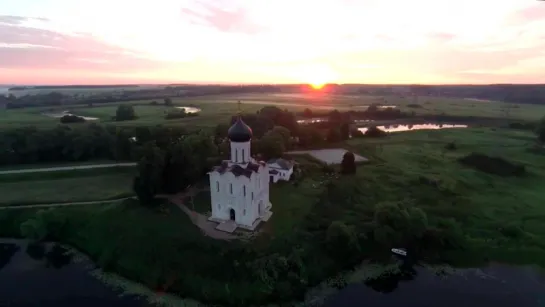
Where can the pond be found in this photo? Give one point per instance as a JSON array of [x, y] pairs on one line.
[[189, 109], [400, 128], [496, 285], [47, 274], [63, 113]]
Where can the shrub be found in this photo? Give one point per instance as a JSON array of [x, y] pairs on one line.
[[450, 146], [348, 164], [356, 133], [493, 165], [414, 106], [374, 131], [125, 112], [69, 119]]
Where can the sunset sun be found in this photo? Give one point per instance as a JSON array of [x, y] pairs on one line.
[[317, 76]]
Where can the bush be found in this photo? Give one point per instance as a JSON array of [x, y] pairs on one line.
[[374, 131], [493, 165], [69, 119], [348, 164], [450, 146], [356, 133], [125, 112], [414, 106]]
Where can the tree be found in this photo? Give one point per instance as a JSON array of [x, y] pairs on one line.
[[124, 112], [150, 173], [334, 135], [168, 101], [272, 145], [342, 241], [68, 119], [541, 130], [345, 131], [348, 164]]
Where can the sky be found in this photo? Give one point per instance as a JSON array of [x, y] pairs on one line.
[[280, 41]]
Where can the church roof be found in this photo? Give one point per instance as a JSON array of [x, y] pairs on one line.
[[239, 170], [239, 131], [284, 164]]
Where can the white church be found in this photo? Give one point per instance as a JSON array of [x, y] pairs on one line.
[[239, 188]]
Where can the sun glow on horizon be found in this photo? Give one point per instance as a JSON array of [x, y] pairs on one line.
[[317, 76]]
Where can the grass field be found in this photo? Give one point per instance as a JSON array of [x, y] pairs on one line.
[[502, 216], [76, 90], [220, 108], [65, 186], [499, 217]]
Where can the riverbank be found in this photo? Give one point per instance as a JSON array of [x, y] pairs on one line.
[[414, 192], [37, 265]]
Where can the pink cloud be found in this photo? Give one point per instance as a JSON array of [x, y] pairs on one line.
[[24, 47], [534, 12], [211, 14]]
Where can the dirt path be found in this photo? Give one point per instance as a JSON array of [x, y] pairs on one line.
[[200, 220], [65, 204], [65, 168]]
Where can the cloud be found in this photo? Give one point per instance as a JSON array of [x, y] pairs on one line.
[[24, 47], [18, 20], [535, 12], [214, 15]]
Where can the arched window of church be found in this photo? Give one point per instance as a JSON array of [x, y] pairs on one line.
[[252, 195], [217, 186], [243, 156], [244, 212], [244, 189], [231, 188]]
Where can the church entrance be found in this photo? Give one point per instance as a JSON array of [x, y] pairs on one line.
[[232, 214]]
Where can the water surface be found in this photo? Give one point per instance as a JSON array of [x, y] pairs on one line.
[[496, 285], [400, 128], [189, 109], [45, 275]]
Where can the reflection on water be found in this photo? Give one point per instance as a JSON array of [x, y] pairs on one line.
[[189, 109], [312, 120], [63, 113], [43, 274], [7, 250], [399, 128], [417, 286]]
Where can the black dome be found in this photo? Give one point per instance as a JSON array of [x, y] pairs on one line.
[[239, 132]]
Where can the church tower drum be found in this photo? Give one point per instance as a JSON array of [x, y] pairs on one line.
[[240, 136]]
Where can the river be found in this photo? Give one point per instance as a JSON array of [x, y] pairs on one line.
[[52, 276]]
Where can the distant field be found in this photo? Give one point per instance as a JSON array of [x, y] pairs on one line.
[[65, 186], [75, 90], [218, 108]]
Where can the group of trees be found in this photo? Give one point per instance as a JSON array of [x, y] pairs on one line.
[[80, 143], [173, 167]]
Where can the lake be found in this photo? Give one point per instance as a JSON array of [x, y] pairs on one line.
[[428, 126], [189, 109], [496, 285], [49, 275]]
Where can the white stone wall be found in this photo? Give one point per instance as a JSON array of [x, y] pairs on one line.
[[240, 152], [282, 174], [241, 194]]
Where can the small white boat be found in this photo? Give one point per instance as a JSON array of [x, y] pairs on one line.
[[399, 251]]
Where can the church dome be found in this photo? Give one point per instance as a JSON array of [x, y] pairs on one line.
[[239, 132]]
